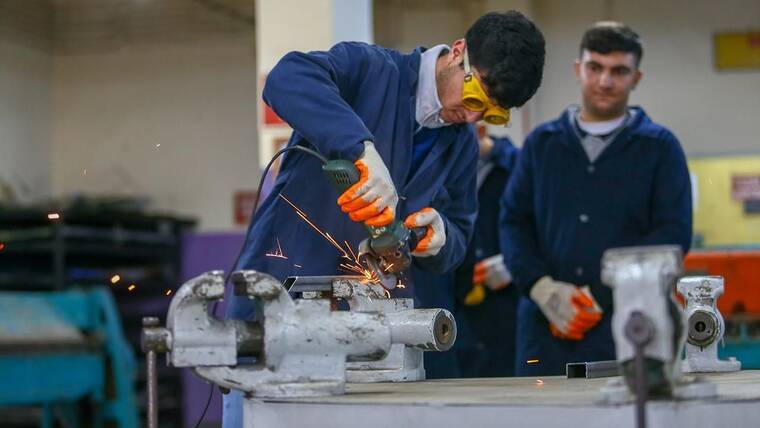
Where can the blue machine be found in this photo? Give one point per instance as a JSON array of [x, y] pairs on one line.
[[58, 348], [744, 345]]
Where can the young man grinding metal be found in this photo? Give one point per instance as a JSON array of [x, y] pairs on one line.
[[403, 120]]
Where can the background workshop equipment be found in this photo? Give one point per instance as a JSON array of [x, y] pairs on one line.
[[132, 140]]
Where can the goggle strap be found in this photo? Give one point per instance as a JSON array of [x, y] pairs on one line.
[[466, 61]]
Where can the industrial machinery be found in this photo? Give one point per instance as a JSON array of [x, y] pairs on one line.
[[705, 325], [300, 348], [64, 353], [404, 361]]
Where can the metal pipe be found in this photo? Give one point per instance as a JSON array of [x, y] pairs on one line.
[[151, 381], [592, 369], [300, 284], [426, 329]]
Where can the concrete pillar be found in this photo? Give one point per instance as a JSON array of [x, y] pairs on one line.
[[287, 25]]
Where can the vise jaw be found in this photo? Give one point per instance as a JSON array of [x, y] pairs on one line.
[[705, 326]]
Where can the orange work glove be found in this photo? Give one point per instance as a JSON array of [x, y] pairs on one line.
[[492, 272], [373, 199], [434, 238], [571, 311]]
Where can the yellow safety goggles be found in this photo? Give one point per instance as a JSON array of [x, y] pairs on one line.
[[474, 98]]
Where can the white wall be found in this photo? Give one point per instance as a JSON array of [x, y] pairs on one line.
[[711, 112], [198, 101], [24, 121]]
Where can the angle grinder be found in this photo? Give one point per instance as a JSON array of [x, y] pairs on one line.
[[387, 250]]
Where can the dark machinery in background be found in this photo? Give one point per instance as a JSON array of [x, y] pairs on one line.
[[75, 282]]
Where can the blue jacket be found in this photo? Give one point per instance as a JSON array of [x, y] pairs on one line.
[[334, 101], [486, 332], [560, 211], [485, 239]]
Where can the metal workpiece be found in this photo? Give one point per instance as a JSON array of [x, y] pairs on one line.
[[592, 369], [403, 363], [425, 329], [413, 331], [705, 326]]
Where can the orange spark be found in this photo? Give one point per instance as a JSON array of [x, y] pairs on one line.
[[388, 267], [356, 258], [54, 216], [354, 265], [278, 253], [131, 287], [168, 292], [115, 279], [532, 361]]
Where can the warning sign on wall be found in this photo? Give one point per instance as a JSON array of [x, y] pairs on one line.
[[745, 187], [243, 201]]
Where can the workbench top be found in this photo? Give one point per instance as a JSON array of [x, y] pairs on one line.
[[523, 402]]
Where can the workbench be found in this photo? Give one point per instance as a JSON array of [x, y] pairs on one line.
[[506, 402]]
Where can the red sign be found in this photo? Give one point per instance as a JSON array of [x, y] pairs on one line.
[[270, 117], [745, 187], [243, 206]]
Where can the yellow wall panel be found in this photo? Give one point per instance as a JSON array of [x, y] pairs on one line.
[[737, 50], [718, 217]]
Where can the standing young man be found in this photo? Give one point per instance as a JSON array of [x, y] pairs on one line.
[[403, 120], [602, 175]]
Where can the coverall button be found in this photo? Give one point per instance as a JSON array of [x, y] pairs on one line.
[[590, 169], [579, 271], [583, 218]]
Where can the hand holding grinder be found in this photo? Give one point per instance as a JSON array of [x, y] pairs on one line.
[[367, 194]]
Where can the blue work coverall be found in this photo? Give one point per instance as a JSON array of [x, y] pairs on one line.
[[334, 101], [560, 213], [487, 346]]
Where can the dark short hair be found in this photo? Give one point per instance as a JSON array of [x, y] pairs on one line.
[[509, 50], [609, 36]]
